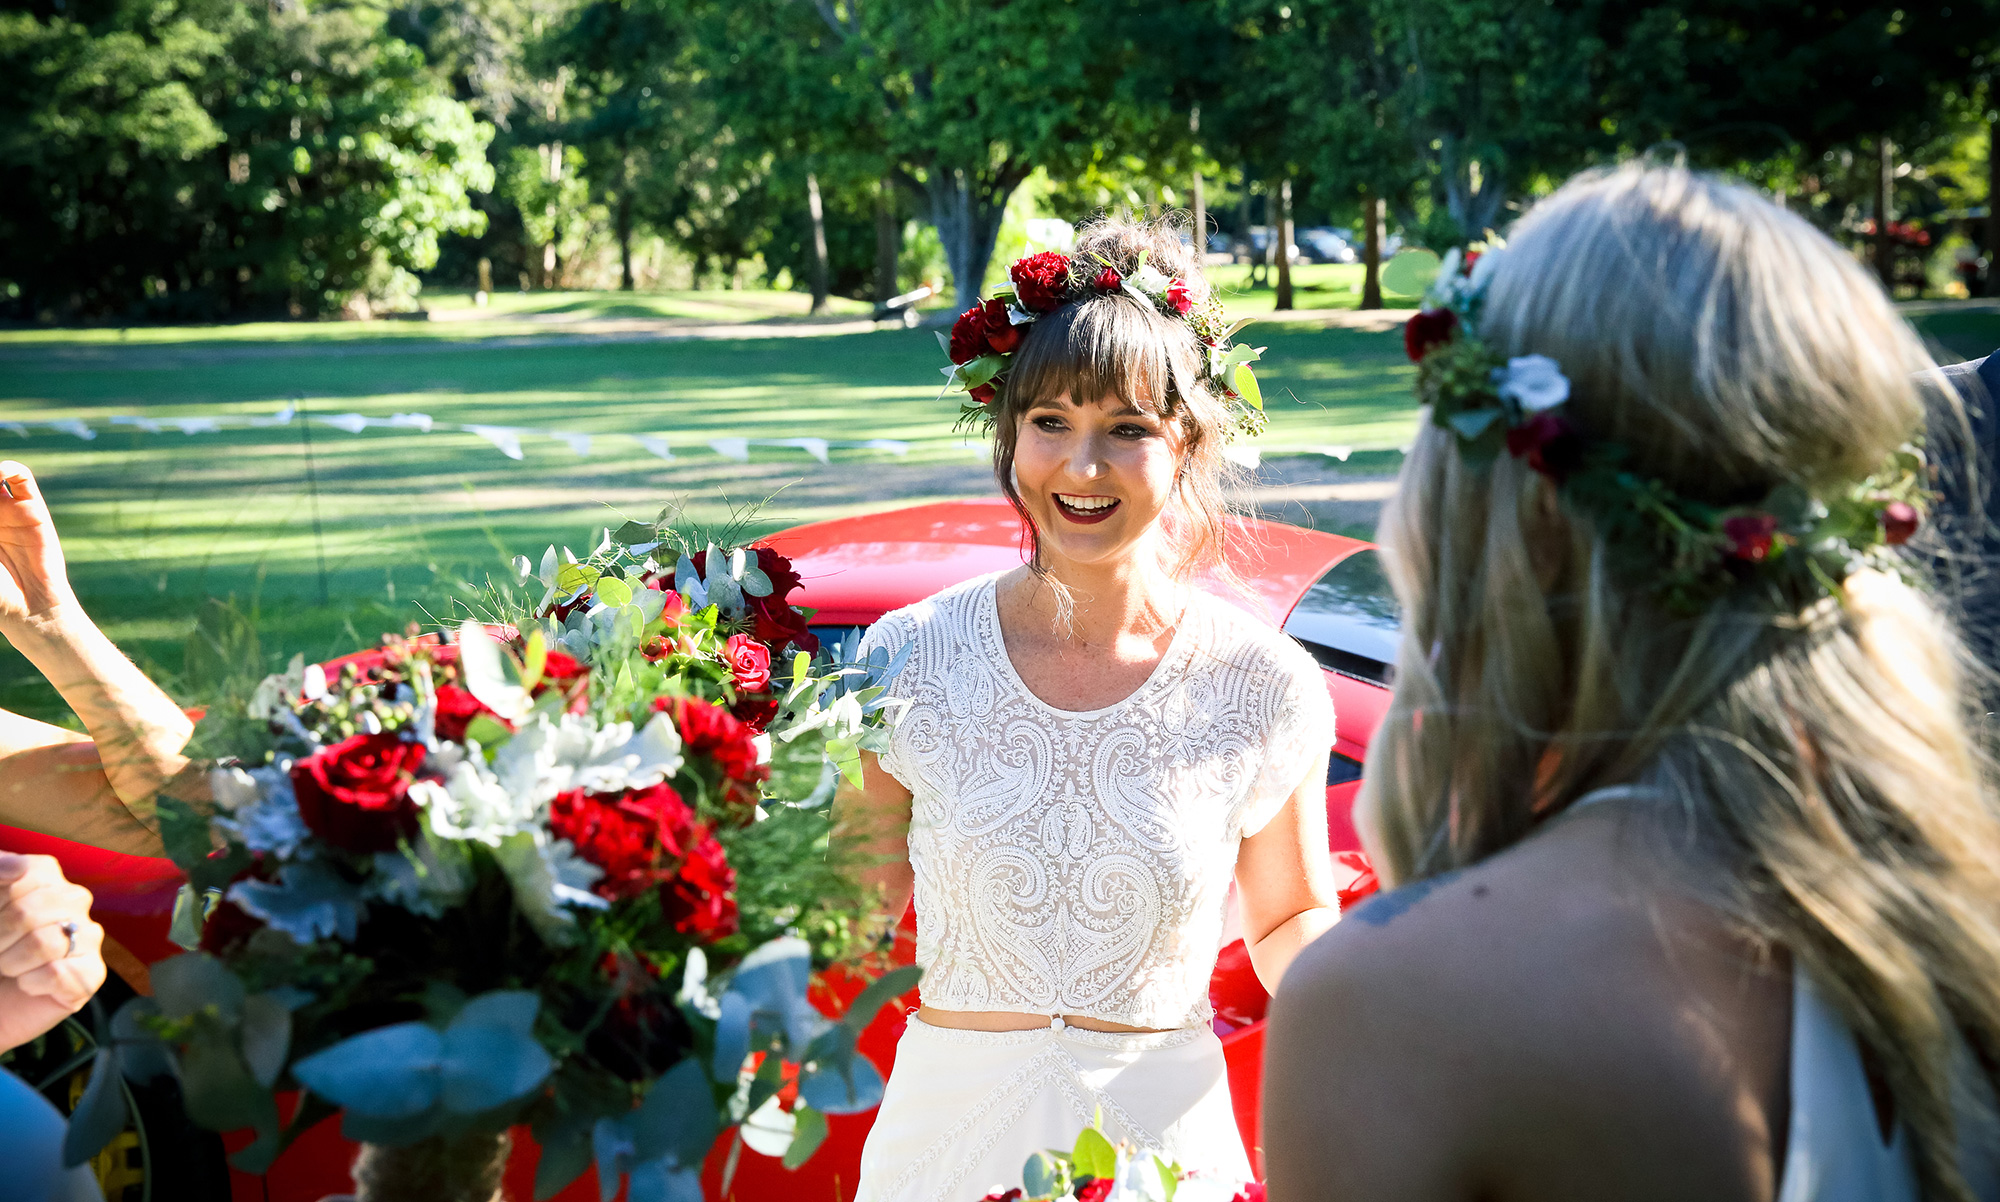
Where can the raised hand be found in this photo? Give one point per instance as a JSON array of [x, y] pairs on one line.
[[33, 580], [51, 953]]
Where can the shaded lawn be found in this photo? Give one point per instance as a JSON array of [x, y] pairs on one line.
[[154, 524]]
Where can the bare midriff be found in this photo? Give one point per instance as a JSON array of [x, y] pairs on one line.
[[1014, 1020]]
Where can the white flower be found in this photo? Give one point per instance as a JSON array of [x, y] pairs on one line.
[[275, 693], [1533, 382], [268, 822], [233, 788], [472, 803], [1482, 272]]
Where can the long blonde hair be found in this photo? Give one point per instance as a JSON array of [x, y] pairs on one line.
[[1825, 760]]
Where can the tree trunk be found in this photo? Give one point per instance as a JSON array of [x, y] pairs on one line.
[[1283, 244], [885, 241], [967, 216], [1371, 249], [1200, 223], [1885, 248], [1993, 208], [819, 242], [625, 239]]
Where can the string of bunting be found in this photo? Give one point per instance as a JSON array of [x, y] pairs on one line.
[[505, 439]]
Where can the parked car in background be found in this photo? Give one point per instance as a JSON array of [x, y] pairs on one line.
[[1324, 245], [1255, 243], [1326, 591]]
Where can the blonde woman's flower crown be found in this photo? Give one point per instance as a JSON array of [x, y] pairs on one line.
[[1693, 552]]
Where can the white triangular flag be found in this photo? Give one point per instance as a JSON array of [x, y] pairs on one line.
[[192, 425], [16, 427], [410, 421], [580, 443], [507, 440], [731, 448], [71, 425], [282, 417], [816, 447], [353, 423], [656, 444], [895, 446], [146, 424]]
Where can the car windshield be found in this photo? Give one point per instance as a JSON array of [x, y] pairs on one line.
[[1349, 620]]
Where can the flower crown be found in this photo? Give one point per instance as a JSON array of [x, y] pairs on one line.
[[985, 337], [1788, 539]]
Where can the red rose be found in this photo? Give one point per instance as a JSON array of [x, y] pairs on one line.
[[1252, 1191], [984, 393], [755, 712], [1550, 444], [1094, 1191], [1002, 335], [1182, 300], [1471, 257], [749, 662], [968, 335], [456, 708], [773, 618], [356, 794], [1900, 520], [560, 668], [1041, 282], [700, 901], [1107, 280], [1428, 328], [1750, 535]]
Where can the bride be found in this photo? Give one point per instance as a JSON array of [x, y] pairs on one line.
[[1093, 746]]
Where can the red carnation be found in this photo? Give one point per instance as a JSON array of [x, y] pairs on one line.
[[1041, 282], [1182, 300], [633, 836], [755, 712], [700, 901], [1900, 520], [1750, 535], [749, 662], [1002, 335], [984, 394], [1107, 280], [968, 335], [710, 730], [1095, 1191], [1426, 329], [356, 793], [456, 708]]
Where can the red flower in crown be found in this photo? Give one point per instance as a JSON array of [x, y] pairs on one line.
[[1095, 1191], [1107, 280], [1041, 281], [1750, 535], [1550, 444], [1428, 328], [1900, 520], [1179, 296], [1002, 335], [984, 394], [968, 335]]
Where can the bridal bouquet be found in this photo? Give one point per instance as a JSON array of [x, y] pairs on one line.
[[1097, 1170], [566, 867]]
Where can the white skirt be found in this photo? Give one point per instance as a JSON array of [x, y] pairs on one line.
[[964, 1110]]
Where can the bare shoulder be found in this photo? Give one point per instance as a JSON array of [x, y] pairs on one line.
[[1546, 1018]]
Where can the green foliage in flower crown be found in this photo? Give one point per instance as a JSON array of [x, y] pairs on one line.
[[1456, 380]]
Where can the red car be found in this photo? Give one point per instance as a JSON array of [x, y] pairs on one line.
[[1327, 591]]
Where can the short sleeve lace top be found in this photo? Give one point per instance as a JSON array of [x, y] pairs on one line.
[[1077, 862]]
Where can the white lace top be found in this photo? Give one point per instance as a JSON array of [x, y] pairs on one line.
[[1076, 862]]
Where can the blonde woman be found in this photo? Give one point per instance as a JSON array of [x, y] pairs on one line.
[[1697, 852], [1092, 748]]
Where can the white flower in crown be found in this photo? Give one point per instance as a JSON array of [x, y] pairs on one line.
[[1534, 382]]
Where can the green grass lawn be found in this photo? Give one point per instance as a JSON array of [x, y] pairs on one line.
[[154, 524]]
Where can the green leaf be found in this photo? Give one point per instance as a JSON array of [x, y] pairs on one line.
[[1094, 1155], [1471, 423], [1244, 381], [267, 1037], [613, 592], [880, 992], [100, 1114], [982, 370], [187, 985], [1042, 1177], [487, 731], [575, 577], [535, 657], [1170, 1178], [633, 533], [846, 756], [807, 1137]]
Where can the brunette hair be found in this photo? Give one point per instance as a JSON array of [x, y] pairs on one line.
[[1825, 761], [1112, 344]]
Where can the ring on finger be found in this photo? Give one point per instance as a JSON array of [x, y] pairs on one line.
[[69, 930]]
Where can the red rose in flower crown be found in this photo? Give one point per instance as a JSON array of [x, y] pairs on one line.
[[356, 793], [1002, 335], [1900, 520], [774, 620], [1182, 299], [749, 663], [1107, 280], [1094, 1191], [1750, 535], [1426, 329], [1041, 282], [968, 335]]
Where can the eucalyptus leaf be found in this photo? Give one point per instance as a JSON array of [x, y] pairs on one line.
[[100, 1114], [677, 1119], [395, 1132], [756, 583], [187, 984], [732, 1037], [808, 1134], [1244, 382], [981, 370], [843, 1081], [574, 578], [141, 1054], [633, 533], [389, 1072], [1471, 423], [563, 1161], [218, 1090], [1040, 1176], [1093, 1155], [658, 1181], [880, 992], [613, 592], [490, 1055], [267, 1037]]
